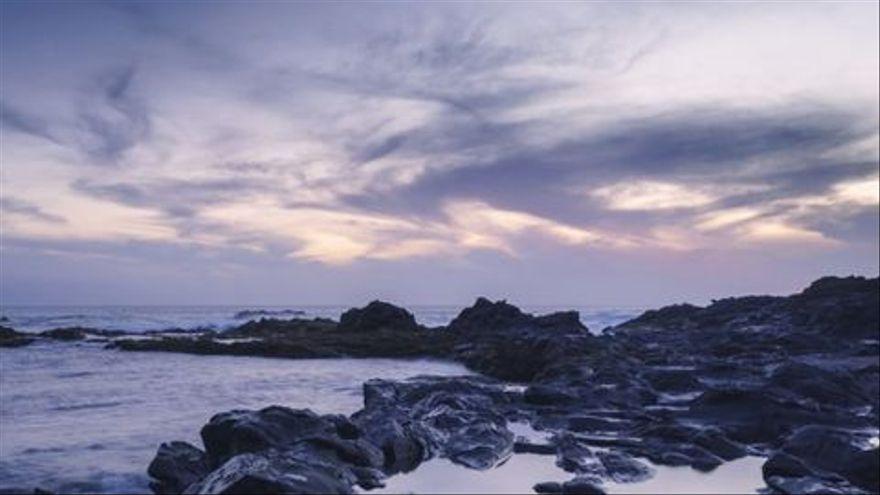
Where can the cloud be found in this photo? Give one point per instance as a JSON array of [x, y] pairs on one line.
[[335, 236], [650, 195], [865, 192], [478, 225], [776, 231], [19, 121], [437, 132], [17, 206], [115, 121], [176, 197]]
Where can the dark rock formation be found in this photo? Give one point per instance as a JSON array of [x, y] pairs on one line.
[[176, 466], [375, 316], [295, 451], [499, 340], [67, 333], [795, 378], [11, 338], [378, 330], [824, 456], [831, 306]]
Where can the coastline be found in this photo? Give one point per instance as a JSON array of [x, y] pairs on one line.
[[679, 386]]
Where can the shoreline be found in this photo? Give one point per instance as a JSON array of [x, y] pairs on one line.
[[678, 386]]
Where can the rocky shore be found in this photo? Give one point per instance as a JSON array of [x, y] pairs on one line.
[[793, 379]]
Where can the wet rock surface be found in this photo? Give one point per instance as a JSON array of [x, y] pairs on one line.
[[794, 379], [791, 378]]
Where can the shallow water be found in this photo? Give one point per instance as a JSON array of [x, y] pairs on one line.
[[521, 472], [516, 475], [736, 477], [79, 418]]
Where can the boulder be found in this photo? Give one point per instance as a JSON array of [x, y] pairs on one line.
[[488, 317], [273, 472], [833, 450], [375, 316], [236, 432], [176, 466]]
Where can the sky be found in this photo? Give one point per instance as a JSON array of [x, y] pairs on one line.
[[629, 154]]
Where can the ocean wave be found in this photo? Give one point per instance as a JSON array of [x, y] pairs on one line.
[[91, 405], [251, 313]]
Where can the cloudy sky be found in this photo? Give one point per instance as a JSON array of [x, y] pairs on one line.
[[282, 152]]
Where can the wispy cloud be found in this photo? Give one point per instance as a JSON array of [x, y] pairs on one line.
[[16, 206], [437, 132], [115, 120], [16, 120]]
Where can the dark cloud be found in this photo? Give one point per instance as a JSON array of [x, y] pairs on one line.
[[381, 149], [178, 199], [114, 119], [156, 23], [22, 207], [19, 121], [707, 141], [699, 147]]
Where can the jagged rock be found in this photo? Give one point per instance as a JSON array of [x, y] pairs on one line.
[[272, 472], [762, 368], [499, 340], [176, 466], [480, 446], [832, 450], [623, 468], [403, 444], [848, 307], [236, 432]]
